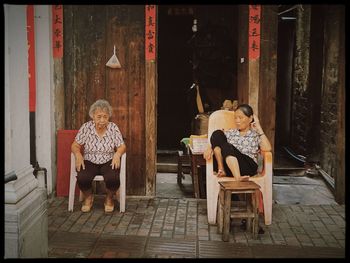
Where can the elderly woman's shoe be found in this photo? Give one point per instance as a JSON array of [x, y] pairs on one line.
[[109, 205], [87, 205], [117, 195]]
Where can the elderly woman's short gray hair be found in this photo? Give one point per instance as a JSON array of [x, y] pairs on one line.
[[101, 104]]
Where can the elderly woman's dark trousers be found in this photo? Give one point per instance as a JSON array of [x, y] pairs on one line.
[[247, 166], [111, 176]]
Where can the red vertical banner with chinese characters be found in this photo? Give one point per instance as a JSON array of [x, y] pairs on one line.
[[31, 57], [150, 32], [254, 31], [57, 31]]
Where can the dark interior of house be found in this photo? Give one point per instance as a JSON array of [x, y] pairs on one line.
[[196, 46]]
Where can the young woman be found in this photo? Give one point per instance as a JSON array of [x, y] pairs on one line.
[[236, 150]]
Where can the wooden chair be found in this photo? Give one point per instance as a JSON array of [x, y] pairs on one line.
[[224, 119], [73, 181]]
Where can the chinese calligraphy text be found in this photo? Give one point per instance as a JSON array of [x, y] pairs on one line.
[[254, 31], [57, 31], [31, 58], [150, 32]]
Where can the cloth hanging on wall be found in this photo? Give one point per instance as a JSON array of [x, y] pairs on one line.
[[113, 62]]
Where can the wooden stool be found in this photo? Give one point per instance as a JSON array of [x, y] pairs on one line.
[[251, 211]]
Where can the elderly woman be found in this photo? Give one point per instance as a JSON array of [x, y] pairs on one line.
[[103, 147], [236, 150]]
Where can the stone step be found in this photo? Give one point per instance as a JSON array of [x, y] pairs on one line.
[[291, 171]]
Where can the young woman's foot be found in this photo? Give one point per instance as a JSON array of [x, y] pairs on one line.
[[244, 178], [221, 173]]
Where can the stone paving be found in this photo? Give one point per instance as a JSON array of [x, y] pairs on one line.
[[177, 227]]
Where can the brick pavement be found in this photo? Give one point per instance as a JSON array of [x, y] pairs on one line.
[[176, 227]]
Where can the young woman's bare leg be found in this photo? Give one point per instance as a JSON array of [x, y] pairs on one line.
[[220, 161], [232, 163]]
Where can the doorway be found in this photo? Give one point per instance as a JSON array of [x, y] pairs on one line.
[[284, 91], [174, 75], [174, 81], [206, 56], [285, 54]]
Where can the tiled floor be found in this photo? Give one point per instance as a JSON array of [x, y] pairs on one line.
[[307, 223], [176, 226], [171, 227], [286, 189]]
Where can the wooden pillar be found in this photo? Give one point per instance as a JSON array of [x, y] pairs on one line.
[[268, 71], [254, 53], [242, 55], [253, 80], [58, 74], [151, 99], [151, 125], [256, 78]]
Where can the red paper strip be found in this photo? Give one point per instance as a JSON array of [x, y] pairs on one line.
[[150, 32], [57, 31], [254, 31], [31, 58]]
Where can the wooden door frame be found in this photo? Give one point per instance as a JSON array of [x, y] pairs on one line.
[[151, 87], [256, 81], [266, 77]]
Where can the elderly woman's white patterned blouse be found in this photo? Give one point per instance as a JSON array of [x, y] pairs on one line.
[[99, 150], [247, 144]]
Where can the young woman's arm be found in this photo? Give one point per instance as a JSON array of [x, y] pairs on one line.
[[265, 144]]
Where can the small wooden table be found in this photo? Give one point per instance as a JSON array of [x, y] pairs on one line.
[[183, 161], [251, 210], [197, 160]]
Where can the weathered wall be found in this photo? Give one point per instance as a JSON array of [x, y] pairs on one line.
[[300, 80], [329, 105], [318, 141]]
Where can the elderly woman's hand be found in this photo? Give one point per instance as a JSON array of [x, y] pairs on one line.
[[79, 161], [116, 161]]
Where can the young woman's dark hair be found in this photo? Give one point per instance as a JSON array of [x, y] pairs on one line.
[[246, 109]]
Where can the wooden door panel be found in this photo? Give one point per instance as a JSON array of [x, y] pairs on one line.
[[89, 37], [96, 59]]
